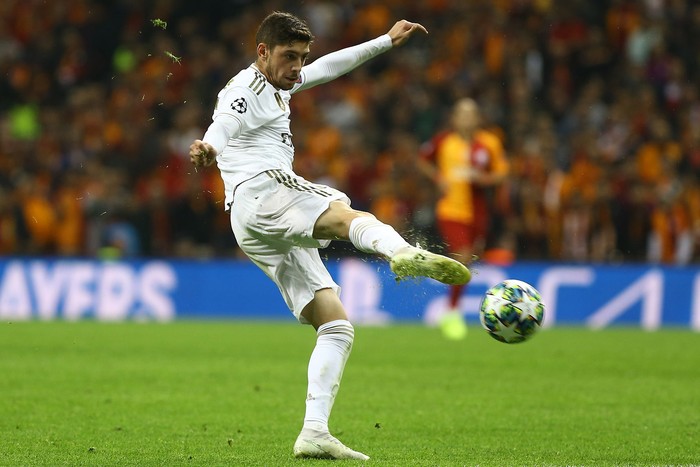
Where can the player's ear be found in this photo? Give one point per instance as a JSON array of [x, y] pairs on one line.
[[263, 50]]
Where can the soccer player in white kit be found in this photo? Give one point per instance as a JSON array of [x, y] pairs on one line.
[[281, 220]]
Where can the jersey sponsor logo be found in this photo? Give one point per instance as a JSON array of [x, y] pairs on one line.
[[239, 105], [258, 83], [293, 183]]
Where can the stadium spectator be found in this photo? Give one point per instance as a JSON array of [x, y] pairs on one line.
[[90, 83]]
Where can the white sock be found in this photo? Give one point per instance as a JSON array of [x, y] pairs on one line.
[[326, 365], [372, 236]]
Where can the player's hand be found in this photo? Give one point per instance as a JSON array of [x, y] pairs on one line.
[[202, 154], [402, 30]]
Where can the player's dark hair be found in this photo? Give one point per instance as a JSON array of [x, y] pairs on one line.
[[280, 28]]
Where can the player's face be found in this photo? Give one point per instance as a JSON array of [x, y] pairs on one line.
[[282, 64], [465, 116]]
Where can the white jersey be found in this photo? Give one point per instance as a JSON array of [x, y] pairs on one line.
[[262, 139], [265, 141]]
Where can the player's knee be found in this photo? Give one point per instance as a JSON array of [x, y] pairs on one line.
[[340, 330], [324, 308], [348, 220], [362, 214], [334, 224]]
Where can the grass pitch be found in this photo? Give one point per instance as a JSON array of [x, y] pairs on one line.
[[232, 393]]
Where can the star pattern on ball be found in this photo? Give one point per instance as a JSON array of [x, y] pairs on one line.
[[509, 333], [528, 307]]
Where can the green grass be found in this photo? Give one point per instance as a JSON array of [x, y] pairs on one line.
[[232, 393]]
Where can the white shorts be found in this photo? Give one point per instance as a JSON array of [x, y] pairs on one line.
[[273, 217]]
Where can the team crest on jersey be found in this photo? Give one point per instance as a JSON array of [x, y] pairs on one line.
[[280, 102], [239, 105]]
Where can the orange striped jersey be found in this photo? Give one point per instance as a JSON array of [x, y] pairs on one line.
[[453, 156]]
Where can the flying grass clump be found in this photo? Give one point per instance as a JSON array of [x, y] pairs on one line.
[[159, 23]]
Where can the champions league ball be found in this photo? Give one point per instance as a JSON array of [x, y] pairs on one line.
[[511, 311]]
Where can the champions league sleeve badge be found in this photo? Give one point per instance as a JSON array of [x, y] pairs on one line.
[[239, 105]]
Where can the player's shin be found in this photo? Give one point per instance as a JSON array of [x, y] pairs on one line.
[[326, 365], [372, 236]]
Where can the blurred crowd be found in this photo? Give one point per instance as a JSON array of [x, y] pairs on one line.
[[597, 103]]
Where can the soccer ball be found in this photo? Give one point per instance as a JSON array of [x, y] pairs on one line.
[[511, 311]]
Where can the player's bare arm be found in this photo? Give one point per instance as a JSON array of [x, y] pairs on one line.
[[402, 30], [202, 154], [433, 174]]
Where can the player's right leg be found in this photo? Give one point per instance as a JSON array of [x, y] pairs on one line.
[[412, 261], [372, 236]]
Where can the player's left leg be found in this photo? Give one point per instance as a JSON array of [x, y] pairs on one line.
[[326, 365], [312, 295], [271, 235]]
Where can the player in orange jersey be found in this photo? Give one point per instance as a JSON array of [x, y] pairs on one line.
[[465, 162]]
